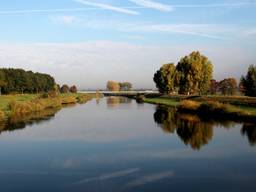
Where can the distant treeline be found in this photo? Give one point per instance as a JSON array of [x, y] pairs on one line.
[[21, 81]]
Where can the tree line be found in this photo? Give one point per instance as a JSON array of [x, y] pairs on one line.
[[119, 86], [194, 75], [21, 81]]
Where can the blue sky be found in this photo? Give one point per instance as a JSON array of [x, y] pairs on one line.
[[87, 42]]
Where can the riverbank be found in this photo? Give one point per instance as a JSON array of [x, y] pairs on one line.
[[236, 108], [221, 107], [15, 105]]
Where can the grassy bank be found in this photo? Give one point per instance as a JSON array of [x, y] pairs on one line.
[[162, 101], [217, 110], [14, 105], [211, 107]]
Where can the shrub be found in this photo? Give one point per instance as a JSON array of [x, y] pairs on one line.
[[68, 100], [140, 98], [2, 115], [213, 107], [25, 107], [189, 105]]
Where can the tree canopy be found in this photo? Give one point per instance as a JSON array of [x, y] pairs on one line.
[[228, 86], [73, 89], [125, 86], [195, 73], [119, 86], [249, 82], [20, 81], [166, 78], [64, 89], [192, 75]]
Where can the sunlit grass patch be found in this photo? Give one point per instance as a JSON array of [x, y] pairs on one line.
[[163, 101]]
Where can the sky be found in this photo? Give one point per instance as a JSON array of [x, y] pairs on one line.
[[88, 42]]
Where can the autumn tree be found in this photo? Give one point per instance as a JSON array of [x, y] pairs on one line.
[[249, 82], [166, 78], [113, 86], [195, 72], [214, 87], [64, 89], [228, 86], [73, 89], [125, 86]]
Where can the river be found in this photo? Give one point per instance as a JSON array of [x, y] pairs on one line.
[[114, 144]]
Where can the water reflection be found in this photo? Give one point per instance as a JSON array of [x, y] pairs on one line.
[[21, 121], [250, 131], [193, 130], [115, 101]]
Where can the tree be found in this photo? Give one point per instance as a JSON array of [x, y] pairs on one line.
[[64, 89], [195, 72], [125, 86], [191, 130], [2, 81], [249, 82], [166, 78], [19, 81], [228, 86], [73, 89], [113, 86], [214, 87]]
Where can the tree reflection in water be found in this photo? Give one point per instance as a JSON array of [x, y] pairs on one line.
[[192, 129], [250, 131], [21, 121], [115, 101]]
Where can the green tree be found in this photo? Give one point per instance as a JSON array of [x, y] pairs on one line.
[[249, 82], [195, 73], [166, 78], [2, 81], [19, 81]]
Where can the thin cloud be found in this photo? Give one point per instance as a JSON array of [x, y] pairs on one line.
[[208, 31], [108, 7], [126, 9], [109, 176], [153, 5], [150, 179], [68, 19], [214, 5], [38, 11]]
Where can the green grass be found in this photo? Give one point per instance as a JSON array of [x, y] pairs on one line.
[[216, 107], [11, 105], [6, 99], [163, 101]]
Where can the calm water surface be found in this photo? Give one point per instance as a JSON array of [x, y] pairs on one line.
[[115, 144]]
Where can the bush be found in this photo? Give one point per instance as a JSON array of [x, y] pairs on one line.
[[2, 115], [213, 107], [189, 105], [68, 100], [25, 107], [140, 98]]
